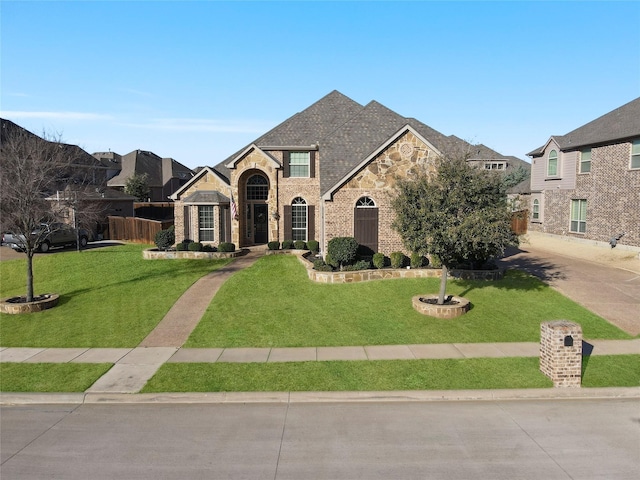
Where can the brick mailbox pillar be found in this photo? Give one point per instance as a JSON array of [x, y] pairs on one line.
[[561, 352]]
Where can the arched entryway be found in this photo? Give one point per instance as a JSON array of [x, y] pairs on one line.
[[255, 214]]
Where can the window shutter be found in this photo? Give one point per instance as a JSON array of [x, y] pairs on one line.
[[288, 231], [311, 223], [285, 163], [312, 164], [186, 222]]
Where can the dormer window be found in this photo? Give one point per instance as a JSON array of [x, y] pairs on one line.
[[299, 164], [552, 164]]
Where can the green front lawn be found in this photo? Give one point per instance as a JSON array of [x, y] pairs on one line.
[[471, 373], [50, 377], [109, 297], [274, 304]]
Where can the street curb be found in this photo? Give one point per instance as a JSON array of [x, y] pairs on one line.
[[317, 397]]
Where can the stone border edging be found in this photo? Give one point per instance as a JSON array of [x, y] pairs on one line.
[[155, 254], [388, 273], [50, 300]]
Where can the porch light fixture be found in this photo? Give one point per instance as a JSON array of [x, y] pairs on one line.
[[275, 215]]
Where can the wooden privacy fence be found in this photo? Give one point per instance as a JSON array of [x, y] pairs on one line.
[[519, 222], [138, 230]]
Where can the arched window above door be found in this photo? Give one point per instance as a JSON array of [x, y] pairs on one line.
[[257, 188], [365, 202]]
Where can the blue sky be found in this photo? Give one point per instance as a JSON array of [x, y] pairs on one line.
[[199, 80]]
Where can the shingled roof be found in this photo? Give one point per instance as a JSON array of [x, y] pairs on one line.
[[346, 133], [620, 124]]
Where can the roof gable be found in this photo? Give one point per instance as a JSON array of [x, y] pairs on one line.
[[196, 178], [232, 164]]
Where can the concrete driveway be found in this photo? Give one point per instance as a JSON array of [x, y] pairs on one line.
[[605, 281]]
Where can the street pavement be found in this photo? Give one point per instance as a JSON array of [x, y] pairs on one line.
[[552, 439]]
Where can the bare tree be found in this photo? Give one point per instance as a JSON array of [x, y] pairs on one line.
[[32, 169]]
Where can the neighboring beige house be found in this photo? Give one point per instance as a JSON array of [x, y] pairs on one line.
[[586, 184], [165, 175], [326, 172]]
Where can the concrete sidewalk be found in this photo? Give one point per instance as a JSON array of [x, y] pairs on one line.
[[134, 367]]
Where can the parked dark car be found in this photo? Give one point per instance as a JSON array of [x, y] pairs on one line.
[[50, 235]]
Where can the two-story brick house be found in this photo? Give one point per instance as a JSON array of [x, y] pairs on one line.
[[325, 172], [586, 184]]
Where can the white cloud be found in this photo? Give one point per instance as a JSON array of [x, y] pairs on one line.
[[201, 125], [54, 115]]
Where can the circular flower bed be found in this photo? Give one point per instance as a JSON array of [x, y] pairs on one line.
[[16, 305], [452, 308]]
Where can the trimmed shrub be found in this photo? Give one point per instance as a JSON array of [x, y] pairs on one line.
[[435, 261], [321, 266], [287, 244], [181, 247], [208, 248], [227, 247], [313, 245], [275, 245], [378, 260], [343, 250], [359, 265], [195, 247], [331, 261], [165, 238], [397, 259], [299, 245], [417, 260]]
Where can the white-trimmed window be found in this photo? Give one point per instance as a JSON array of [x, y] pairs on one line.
[[635, 154], [585, 160], [495, 165], [299, 164], [552, 164], [365, 202], [299, 219], [578, 216], [535, 214], [205, 223]]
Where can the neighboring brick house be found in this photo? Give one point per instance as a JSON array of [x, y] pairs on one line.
[[165, 175], [326, 172], [586, 184]]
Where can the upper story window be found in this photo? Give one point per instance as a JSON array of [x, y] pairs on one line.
[[495, 165], [299, 164], [257, 188], [552, 164], [635, 154], [585, 161]]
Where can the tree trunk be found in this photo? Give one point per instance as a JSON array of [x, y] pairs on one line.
[[29, 277], [443, 285]]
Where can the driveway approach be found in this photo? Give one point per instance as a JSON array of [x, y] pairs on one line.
[[604, 281], [549, 439]]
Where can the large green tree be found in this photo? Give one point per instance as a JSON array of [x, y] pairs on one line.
[[137, 186], [458, 213]]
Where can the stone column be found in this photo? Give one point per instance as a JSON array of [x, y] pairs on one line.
[[561, 352]]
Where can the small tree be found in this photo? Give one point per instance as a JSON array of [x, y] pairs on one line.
[[31, 170], [459, 214], [137, 186]]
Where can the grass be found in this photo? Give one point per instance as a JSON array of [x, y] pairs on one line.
[[50, 377], [109, 297], [449, 374], [274, 304]]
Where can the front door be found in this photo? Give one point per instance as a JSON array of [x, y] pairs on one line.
[[260, 225]]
